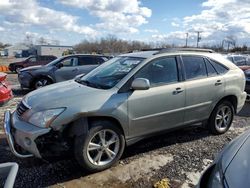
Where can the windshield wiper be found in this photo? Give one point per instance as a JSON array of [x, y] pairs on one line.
[[91, 84]]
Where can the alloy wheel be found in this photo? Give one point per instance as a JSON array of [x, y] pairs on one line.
[[223, 118], [103, 147]]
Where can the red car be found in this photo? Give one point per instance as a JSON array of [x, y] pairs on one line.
[[31, 61], [5, 90]]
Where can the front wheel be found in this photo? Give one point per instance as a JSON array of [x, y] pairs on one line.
[[221, 118], [18, 68], [100, 148], [41, 82]]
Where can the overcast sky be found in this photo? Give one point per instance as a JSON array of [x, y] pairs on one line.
[[71, 21]]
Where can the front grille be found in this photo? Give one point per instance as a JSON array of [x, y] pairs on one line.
[[21, 108]]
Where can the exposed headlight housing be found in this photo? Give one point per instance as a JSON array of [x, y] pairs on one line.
[[45, 118]]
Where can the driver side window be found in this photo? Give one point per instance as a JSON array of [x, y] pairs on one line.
[[160, 71], [69, 62], [32, 59]]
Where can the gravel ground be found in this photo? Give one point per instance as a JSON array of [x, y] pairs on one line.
[[180, 156]]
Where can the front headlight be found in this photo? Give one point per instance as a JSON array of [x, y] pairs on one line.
[[215, 180], [45, 118]]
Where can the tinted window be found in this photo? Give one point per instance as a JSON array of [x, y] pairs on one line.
[[219, 68], [160, 71], [98, 60], [210, 69], [85, 61], [230, 58], [69, 62], [50, 58], [239, 60], [194, 67], [32, 59]]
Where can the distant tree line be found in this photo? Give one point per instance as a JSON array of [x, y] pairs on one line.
[[109, 45]]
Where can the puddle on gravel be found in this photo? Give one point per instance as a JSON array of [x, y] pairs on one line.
[[122, 175]]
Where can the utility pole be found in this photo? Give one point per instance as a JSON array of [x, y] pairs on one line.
[[198, 38], [186, 39]]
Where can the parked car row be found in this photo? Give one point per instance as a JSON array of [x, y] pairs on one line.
[[61, 69], [243, 62], [122, 101]]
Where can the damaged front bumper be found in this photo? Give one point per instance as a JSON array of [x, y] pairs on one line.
[[22, 134]]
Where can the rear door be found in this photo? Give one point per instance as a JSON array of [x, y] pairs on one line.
[[68, 71], [162, 106], [86, 64], [204, 86]]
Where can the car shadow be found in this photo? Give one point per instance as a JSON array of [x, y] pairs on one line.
[[245, 112], [34, 172]]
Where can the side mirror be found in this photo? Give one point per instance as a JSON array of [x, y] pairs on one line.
[[59, 65], [140, 84]]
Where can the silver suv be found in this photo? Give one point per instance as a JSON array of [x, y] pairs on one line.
[[125, 100]]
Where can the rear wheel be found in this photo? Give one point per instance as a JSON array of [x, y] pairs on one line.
[[221, 118], [41, 82], [101, 147]]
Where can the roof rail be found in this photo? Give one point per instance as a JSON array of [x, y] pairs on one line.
[[165, 50]]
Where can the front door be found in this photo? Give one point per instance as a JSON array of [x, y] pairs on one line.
[[162, 106], [68, 71]]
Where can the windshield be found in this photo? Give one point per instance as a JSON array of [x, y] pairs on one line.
[[54, 61], [109, 75]]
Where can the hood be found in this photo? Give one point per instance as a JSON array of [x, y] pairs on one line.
[[32, 68], [231, 149], [69, 94], [237, 173]]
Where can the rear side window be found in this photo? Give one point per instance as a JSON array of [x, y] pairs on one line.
[[160, 71], [219, 68], [194, 67], [86, 61], [210, 69]]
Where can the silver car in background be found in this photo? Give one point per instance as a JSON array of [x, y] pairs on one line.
[[124, 100]]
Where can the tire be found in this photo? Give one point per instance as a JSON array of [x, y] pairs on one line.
[[18, 68], [98, 157], [41, 82], [221, 118]]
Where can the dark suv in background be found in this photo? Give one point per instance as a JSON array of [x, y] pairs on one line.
[[61, 69], [31, 61]]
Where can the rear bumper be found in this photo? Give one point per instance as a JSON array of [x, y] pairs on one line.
[[22, 134]]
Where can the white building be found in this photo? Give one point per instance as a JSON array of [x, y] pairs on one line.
[[11, 51], [55, 50]]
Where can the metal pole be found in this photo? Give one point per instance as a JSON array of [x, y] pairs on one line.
[[186, 39], [198, 38]]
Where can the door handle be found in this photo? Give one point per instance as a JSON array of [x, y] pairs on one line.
[[177, 91], [218, 83]]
